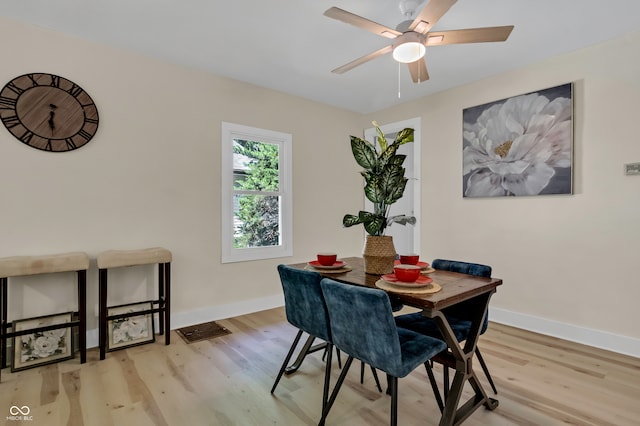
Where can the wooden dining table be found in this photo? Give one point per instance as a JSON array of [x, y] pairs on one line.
[[455, 288]]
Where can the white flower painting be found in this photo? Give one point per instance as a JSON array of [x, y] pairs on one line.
[[519, 146], [131, 330], [42, 347]]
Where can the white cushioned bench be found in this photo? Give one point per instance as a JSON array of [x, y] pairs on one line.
[[17, 266], [111, 259]]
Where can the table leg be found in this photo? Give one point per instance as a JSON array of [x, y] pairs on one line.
[[460, 358]]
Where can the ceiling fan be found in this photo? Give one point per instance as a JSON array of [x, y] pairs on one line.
[[411, 38]]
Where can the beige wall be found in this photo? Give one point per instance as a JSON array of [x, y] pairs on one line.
[[569, 263], [151, 177]]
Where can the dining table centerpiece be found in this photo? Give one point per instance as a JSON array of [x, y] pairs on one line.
[[385, 182]]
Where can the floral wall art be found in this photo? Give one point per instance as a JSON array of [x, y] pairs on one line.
[[131, 330], [42, 347], [519, 146]]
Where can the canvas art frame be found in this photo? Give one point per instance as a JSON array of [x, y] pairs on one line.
[[519, 146], [42, 347], [130, 331]]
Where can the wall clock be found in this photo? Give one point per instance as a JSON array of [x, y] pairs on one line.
[[48, 112]]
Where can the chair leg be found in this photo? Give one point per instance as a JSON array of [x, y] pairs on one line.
[[286, 359], [327, 376], [486, 370], [393, 387], [375, 376], [334, 394], [434, 386], [324, 355], [306, 350]]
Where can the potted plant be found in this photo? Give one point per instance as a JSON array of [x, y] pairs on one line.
[[384, 185]]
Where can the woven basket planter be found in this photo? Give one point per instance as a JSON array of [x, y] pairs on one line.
[[379, 254]]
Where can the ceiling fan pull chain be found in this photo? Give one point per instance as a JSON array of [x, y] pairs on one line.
[[398, 80]]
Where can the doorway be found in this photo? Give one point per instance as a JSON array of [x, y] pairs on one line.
[[406, 239]]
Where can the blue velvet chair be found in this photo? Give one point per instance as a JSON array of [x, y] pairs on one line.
[[456, 315], [305, 309], [363, 327]]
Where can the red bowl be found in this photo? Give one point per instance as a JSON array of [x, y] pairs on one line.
[[327, 259], [407, 273], [409, 259]]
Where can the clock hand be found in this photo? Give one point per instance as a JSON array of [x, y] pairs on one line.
[[51, 115]]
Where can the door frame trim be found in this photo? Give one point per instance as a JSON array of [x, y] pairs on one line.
[[415, 124]]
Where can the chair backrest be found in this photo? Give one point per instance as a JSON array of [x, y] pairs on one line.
[[476, 269], [303, 300], [362, 324], [468, 268]]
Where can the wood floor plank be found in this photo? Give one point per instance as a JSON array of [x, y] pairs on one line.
[[227, 380]]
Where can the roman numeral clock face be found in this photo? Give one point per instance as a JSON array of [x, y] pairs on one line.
[[48, 112]]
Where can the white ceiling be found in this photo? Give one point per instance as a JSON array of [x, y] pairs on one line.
[[290, 46]]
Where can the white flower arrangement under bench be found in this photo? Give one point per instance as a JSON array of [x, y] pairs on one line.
[[47, 339]]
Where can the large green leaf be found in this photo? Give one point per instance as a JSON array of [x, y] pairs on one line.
[[350, 220], [374, 224], [364, 153], [387, 155], [396, 191], [373, 190], [382, 140], [405, 136], [391, 180], [397, 159]]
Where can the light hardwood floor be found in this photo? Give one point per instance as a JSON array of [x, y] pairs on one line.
[[226, 381]]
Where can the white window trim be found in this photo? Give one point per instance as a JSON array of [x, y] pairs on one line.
[[231, 131]]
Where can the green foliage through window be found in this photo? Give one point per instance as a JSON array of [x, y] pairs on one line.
[[256, 212]]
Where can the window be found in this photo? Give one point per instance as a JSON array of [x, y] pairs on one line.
[[256, 194]]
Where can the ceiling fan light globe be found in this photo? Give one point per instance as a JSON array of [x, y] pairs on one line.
[[409, 52]]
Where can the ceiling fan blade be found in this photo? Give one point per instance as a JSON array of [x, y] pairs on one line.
[[418, 70], [360, 22], [362, 60], [430, 14], [470, 35]]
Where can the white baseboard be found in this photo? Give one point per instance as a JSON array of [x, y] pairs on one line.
[[184, 319], [587, 336]]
